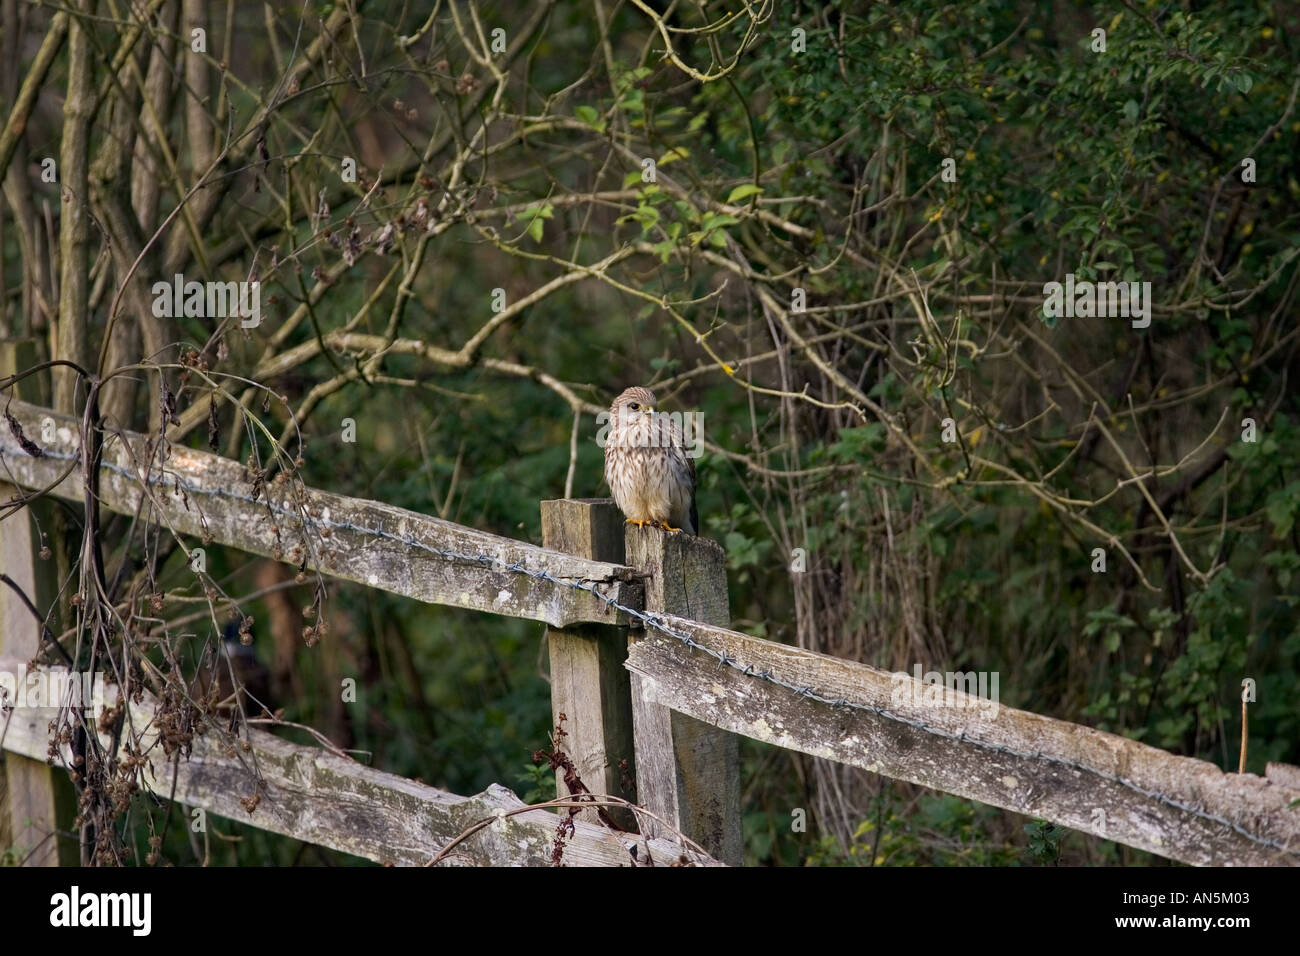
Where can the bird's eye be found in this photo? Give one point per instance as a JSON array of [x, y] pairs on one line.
[[635, 407]]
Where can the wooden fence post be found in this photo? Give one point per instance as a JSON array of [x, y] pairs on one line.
[[688, 772], [589, 683], [27, 794]]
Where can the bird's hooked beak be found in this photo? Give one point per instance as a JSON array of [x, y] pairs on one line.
[[648, 409]]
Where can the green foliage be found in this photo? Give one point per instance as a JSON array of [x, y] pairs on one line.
[[941, 830], [1044, 842], [538, 783]]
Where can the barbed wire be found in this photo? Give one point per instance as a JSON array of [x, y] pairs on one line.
[[651, 620]]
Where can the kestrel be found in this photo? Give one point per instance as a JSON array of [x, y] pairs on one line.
[[649, 472]]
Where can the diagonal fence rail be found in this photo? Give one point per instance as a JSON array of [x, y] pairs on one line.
[[213, 499]]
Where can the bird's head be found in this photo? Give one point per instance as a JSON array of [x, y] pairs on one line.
[[633, 403]]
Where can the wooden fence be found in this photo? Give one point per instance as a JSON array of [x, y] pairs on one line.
[[643, 666]]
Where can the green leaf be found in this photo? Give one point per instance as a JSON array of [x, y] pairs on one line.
[[647, 216], [716, 220], [633, 101], [743, 191], [590, 116], [534, 218], [1281, 508]]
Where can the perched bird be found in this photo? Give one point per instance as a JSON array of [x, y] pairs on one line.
[[649, 472]]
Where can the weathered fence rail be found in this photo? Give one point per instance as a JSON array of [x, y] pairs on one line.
[[208, 497], [645, 671], [1086, 779], [319, 797]]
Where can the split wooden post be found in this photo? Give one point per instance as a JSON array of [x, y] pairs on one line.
[[589, 683], [688, 772], [27, 793]]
